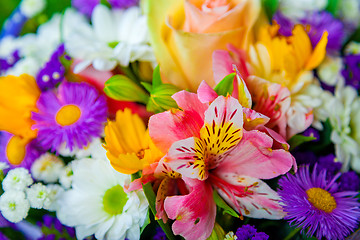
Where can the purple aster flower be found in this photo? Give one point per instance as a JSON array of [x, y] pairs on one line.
[[349, 181], [14, 24], [351, 72], [315, 204], [18, 152], [9, 61], [73, 114], [53, 71], [53, 229], [123, 3]]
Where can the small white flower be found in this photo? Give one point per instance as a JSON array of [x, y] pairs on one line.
[[32, 7], [38, 195], [352, 48], [17, 179], [230, 236], [55, 191], [296, 9], [330, 70], [95, 149], [349, 11], [3, 166], [14, 206], [47, 168], [66, 176], [90, 208]]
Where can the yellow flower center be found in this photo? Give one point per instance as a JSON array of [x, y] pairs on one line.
[[15, 150], [114, 200], [68, 114], [321, 199]]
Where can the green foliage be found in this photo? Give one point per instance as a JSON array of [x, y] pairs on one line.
[[6, 8], [332, 6], [270, 7], [122, 88], [299, 139], [160, 94], [226, 86], [217, 233], [150, 196], [222, 204]]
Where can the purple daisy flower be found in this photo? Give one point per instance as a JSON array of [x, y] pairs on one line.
[[73, 114], [349, 181], [15, 153], [314, 203]]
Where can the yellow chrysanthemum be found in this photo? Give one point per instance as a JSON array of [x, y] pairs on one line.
[[284, 60], [128, 144], [18, 96]]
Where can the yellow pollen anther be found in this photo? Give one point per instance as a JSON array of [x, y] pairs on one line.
[[68, 114], [321, 199]]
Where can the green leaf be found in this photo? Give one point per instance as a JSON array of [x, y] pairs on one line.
[[270, 7], [160, 98], [299, 139], [122, 88], [147, 86], [226, 86], [222, 204], [150, 196], [106, 3], [332, 6], [217, 233], [156, 81]]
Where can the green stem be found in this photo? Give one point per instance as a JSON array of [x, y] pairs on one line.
[[292, 234], [150, 195]]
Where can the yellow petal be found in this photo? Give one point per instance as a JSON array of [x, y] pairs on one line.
[[318, 54], [18, 97]]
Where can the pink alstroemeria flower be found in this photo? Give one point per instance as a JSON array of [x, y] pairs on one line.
[[207, 143]]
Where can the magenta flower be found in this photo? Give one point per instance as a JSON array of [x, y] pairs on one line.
[[73, 114], [212, 147]]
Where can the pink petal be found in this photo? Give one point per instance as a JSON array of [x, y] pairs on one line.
[[253, 119], [166, 188], [205, 93], [183, 158], [224, 110], [222, 65], [168, 127], [250, 196], [189, 102], [254, 157], [194, 213]]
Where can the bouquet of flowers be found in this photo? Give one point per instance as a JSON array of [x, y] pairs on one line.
[[180, 119]]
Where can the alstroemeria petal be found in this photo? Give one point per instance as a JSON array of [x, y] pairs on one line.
[[194, 213], [254, 157]]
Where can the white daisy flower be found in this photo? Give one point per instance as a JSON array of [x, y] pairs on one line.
[[14, 206], [66, 176], [47, 168], [38, 195], [55, 191], [17, 179], [115, 37], [97, 203]]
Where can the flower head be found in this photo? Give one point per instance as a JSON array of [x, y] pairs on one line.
[[314, 203], [73, 115], [47, 168], [14, 206], [38, 195], [17, 179], [97, 203]]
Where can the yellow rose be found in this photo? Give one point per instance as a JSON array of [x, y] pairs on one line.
[[184, 34]]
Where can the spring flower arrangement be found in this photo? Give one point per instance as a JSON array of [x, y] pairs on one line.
[[180, 119]]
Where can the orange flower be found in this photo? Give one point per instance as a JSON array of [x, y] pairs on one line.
[[18, 97]]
